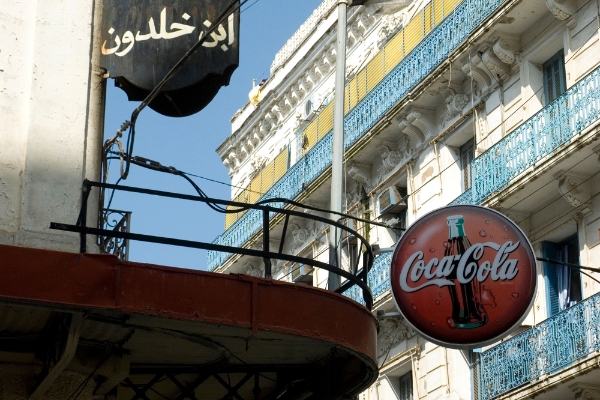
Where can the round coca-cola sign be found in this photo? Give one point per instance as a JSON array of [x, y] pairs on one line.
[[463, 276]]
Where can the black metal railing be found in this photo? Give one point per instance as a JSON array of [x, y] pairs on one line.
[[115, 221], [268, 211]]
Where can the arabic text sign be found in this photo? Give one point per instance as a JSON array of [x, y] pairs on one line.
[[143, 39], [463, 276]]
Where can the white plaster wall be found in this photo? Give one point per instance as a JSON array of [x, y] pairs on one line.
[[48, 143]]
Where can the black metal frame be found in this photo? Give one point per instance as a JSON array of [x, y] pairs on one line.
[[266, 254]]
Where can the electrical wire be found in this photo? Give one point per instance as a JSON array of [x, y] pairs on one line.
[[130, 124]]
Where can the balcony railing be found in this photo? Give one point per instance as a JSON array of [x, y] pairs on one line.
[[419, 63], [378, 279], [538, 137], [546, 348]]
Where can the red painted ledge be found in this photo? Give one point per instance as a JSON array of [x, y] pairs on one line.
[[86, 281]]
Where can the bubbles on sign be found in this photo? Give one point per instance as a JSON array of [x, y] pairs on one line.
[[515, 295], [482, 233], [412, 241], [450, 322], [437, 302], [487, 221], [432, 250]]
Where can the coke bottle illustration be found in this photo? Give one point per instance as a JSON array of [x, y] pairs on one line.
[[467, 310]]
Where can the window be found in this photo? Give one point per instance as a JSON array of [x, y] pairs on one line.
[[405, 389], [554, 77], [467, 154], [563, 284]]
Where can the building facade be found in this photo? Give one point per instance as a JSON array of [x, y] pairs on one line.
[[491, 103], [77, 324]]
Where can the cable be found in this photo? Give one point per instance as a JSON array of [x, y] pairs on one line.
[[157, 89], [202, 177]]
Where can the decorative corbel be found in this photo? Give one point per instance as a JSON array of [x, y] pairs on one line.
[[575, 189], [417, 125], [473, 66], [585, 391], [254, 270], [500, 56], [564, 10], [307, 81], [360, 174], [597, 151]]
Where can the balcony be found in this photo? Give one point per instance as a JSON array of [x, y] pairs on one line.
[[535, 140], [542, 350], [418, 64]]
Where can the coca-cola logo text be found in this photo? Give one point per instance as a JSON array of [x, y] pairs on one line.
[[466, 265]]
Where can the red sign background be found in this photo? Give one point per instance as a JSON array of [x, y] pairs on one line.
[[504, 302]]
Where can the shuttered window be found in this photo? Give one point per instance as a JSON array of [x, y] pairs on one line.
[[554, 77]]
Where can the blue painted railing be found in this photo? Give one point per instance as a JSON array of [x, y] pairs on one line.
[[378, 279], [538, 137], [421, 61], [548, 347], [465, 198]]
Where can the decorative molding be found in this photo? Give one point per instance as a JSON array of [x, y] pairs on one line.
[[359, 173], [597, 151], [300, 36], [390, 158], [278, 107], [257, 165], [585, 391], [254, 270], [455, 103], [418, 124], [575, 189], [563, 10], [302, 237]]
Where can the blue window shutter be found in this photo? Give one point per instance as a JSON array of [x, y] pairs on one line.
[[551, 270], [555, 82]]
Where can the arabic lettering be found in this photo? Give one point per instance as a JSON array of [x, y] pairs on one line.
[[176, 30], [220, 34]]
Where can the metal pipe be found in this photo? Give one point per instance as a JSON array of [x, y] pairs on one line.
[[337, 165]]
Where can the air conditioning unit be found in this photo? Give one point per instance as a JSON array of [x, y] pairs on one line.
[[390, 201], [309, 109], [302, 273]]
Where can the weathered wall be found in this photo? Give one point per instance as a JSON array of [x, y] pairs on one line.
[[51, 105]]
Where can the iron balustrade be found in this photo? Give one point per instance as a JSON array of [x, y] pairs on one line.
[[554, 344], [111, 244], [465, 198], [432, 51], [538, 137], [264, 212]]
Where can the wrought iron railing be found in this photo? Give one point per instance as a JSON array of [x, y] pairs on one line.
[[265, 211], [419, 63], [546, 348], [115, 221], [378, 279], [465, 198], [538, 137]]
